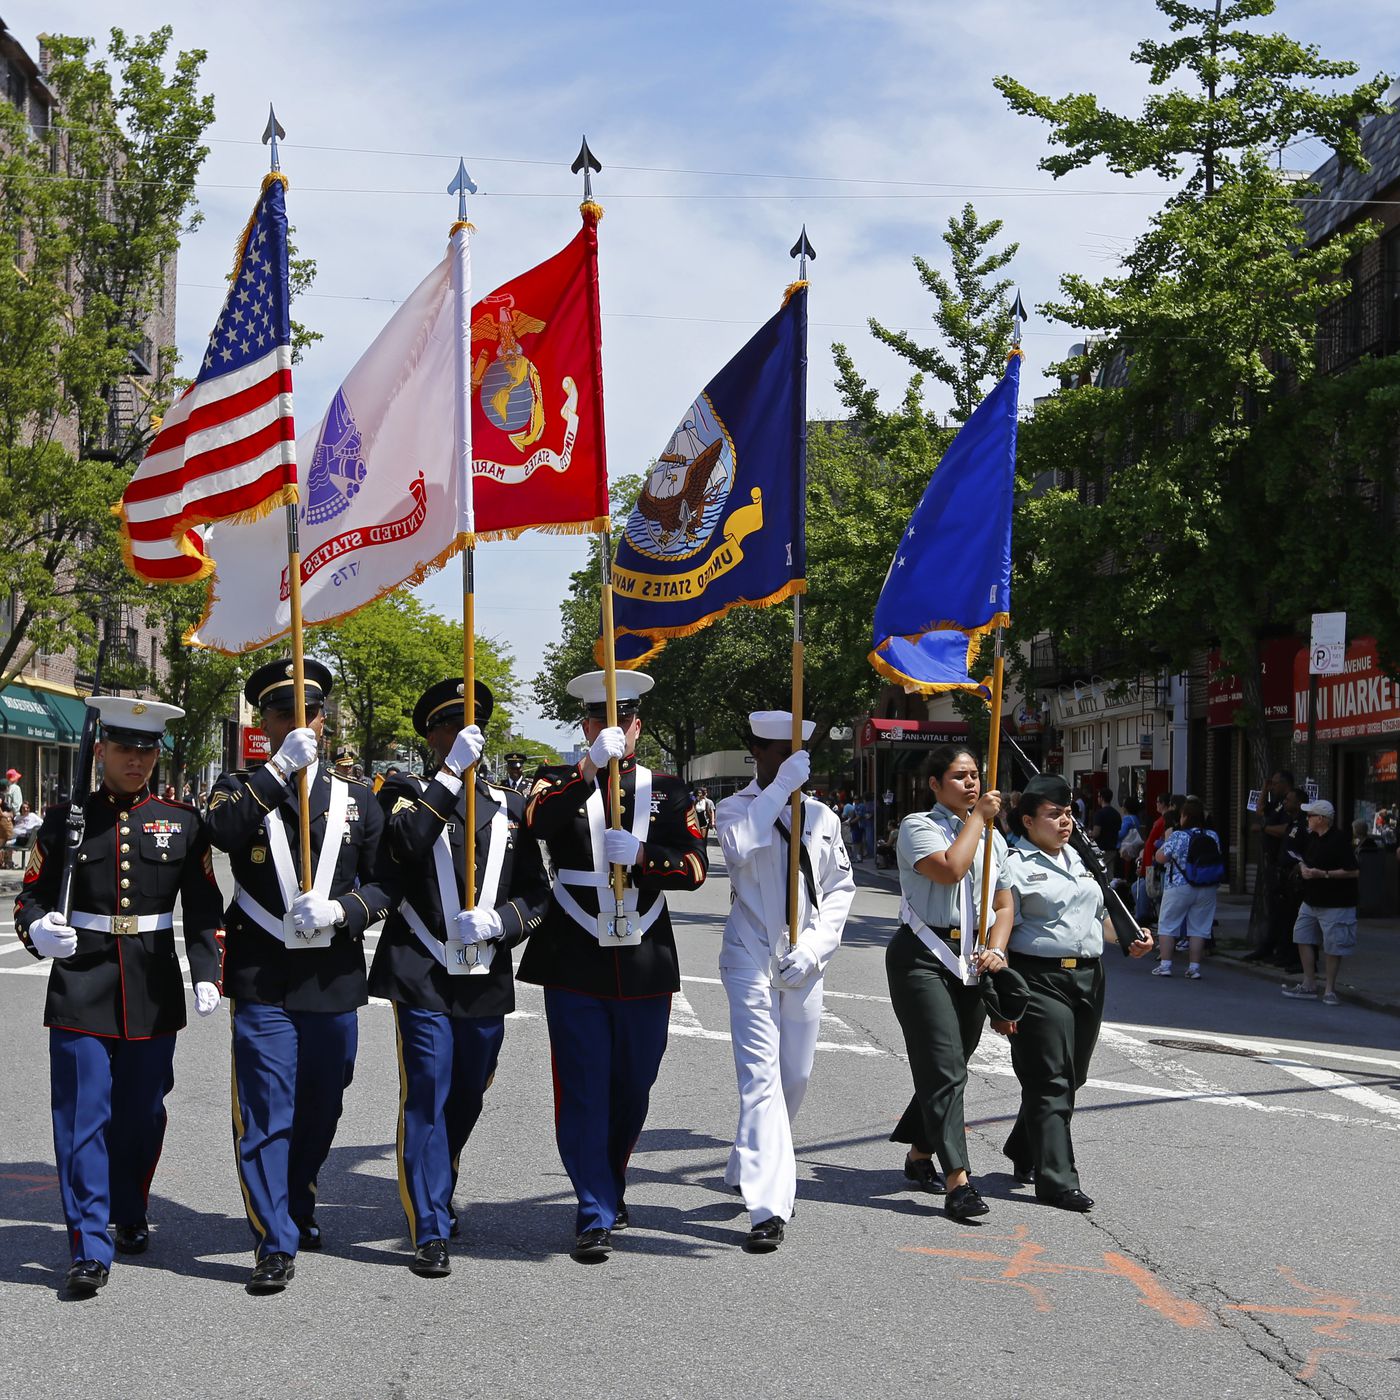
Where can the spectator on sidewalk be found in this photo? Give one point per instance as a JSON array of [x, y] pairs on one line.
[[27, 823], [1148, 889], [1131, 837], [1327, 915], [1289, 883], [1192, 869], [1106, 823]]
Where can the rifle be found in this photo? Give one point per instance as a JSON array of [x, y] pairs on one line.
[[1125, 927], [75, 827]]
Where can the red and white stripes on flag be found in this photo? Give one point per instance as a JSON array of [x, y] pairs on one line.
[[227, 448]]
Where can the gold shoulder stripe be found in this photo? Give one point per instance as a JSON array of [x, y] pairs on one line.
[[403, 804]]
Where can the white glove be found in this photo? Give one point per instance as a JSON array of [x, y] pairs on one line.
[[793, 772], [206, 998], [466, 749], [297, 751], [310, 912], [610, 744], [52, 937], [479, 925], [621, 848], [797, 965]]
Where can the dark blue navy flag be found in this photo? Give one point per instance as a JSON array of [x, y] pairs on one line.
[[932, 610], [721, 521]]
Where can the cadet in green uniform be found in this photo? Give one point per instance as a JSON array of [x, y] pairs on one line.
[[1055, 937], [929, 959]]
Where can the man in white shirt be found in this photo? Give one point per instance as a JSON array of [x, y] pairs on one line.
[[774, 985]]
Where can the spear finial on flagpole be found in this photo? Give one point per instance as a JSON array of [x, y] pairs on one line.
[[461, 186], [587, 162], [1018, 318], [802, 250], [272, 134]]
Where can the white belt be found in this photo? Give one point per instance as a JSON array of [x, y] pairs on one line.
[[269, 923], [121, 923], [591, 879], [964, 970]]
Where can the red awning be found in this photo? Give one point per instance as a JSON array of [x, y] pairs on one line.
[[922, 732]]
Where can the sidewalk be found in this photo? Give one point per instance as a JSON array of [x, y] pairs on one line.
[[1369, 977]]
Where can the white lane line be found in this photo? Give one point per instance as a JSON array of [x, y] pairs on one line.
[[1266, 1047], [1339, 1085], [684, 1021], [826, 991], [1191, 1081]]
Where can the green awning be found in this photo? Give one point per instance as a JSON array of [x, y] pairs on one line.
[[24, 715], [69, 712]]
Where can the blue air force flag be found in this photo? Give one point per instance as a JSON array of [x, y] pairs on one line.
[[950, 578], [721, 520]]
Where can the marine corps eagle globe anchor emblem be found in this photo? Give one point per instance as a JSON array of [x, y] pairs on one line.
[[508, 385]]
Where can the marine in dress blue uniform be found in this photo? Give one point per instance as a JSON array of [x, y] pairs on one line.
[[116, 995], [608, 1001], [448, 974], [294, 966]]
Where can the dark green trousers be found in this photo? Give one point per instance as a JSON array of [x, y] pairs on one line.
[[942, 1023], [1050, 1052]]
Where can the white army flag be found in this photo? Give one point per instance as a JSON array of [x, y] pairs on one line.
[[379, 499]]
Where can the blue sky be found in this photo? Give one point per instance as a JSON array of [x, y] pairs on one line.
[[824, 99]]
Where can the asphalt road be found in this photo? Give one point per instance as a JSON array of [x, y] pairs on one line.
[[1242, 1150]]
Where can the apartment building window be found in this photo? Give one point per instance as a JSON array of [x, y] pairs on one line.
[[131, 644], [154, 651]]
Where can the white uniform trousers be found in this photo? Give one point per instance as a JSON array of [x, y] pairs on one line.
[[775, 1041]]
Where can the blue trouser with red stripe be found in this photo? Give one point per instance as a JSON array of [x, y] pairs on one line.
[[445, 1066], [607, 1053], [108, 1101], [290, 1073]]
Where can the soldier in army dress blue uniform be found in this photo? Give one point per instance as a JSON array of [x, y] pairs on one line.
[[608, 999], [116, 994], [295, 965], [446, 970]]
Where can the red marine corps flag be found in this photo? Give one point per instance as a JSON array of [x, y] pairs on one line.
[[537, 399]]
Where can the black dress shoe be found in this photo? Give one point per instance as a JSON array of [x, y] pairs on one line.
[[131, 1239], [963, 1202], [593, 1246], [430, 1260], [86, 1277], [621, 1220], [924, 1175], [1024, 1172], [308, 1234], [766, 1236], [1073, 1199], [271, 1274]]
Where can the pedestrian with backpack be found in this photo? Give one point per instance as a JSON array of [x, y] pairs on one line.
[[1193, 867]]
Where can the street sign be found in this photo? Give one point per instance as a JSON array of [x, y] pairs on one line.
[[1327, 655]]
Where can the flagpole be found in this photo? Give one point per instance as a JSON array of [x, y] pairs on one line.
[[801, 251], [462, 414], [273, 133], [994, 738], [586, 162]]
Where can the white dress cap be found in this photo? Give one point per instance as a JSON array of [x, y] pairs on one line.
[[777, 724], [592, 686]]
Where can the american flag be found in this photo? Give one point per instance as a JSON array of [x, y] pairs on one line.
[[227, 448]]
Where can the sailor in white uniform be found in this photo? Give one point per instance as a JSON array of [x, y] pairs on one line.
[[774, 986]]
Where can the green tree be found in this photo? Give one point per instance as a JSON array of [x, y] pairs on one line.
[[1245, 93], [91, 221], [386, 655], [1221, 472], [972, 313]]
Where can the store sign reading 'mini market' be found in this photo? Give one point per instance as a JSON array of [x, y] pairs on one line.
[[1359, 703]]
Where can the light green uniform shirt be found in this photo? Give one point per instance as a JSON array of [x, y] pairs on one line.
[[1058, 906], [922, 833]]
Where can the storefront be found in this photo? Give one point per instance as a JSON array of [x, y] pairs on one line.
[[39, 734], [1356, 716], [1114, 734], [889, 760]]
